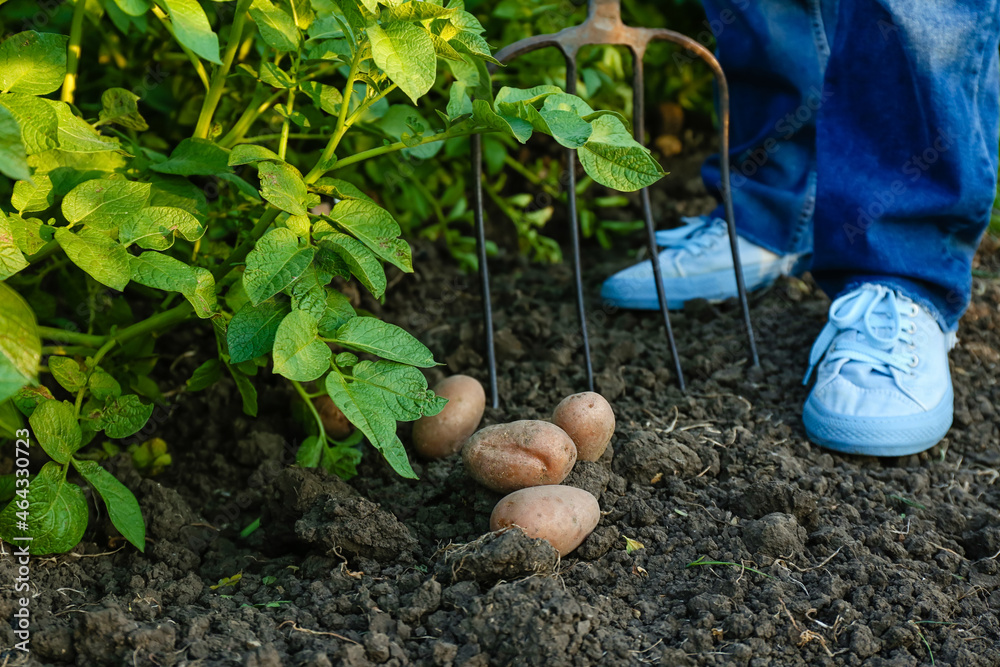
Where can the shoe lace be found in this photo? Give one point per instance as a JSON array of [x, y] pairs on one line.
[[693, 238], [875, 313]]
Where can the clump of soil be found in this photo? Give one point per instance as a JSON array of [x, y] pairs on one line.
[[836, 560]]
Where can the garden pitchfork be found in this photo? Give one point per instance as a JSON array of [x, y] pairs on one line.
[[604, 26]]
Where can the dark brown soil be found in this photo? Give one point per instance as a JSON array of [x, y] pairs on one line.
[[841, 560]]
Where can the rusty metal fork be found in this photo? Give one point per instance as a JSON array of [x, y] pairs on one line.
[[604, 26]]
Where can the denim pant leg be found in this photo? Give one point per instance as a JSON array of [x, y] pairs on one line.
[[907, 148], [774, 53]]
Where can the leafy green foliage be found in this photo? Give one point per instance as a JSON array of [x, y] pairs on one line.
[[180, 197]]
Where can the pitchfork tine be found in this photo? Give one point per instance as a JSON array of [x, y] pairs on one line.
[[638, 101], [574, 231], [484, 272]]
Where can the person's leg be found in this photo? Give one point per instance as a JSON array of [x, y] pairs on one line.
[[907, 149], [907, 160], [774, 53]]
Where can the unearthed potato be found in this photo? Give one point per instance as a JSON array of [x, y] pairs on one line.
[[507, 457], [334, 421], [561, 515], [445, 433], [588, 419]]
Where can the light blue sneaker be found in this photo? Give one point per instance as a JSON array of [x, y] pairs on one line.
[[696, 263], [883, 387]]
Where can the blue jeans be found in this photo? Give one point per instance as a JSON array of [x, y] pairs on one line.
[[865, 130]]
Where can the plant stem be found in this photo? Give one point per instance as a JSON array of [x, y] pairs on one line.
[[256, 108], [73, 52], [341, 127], [286, 125], [145, 327], [63, 336], [399, 145], [312, 408], [68, 350], [271, 137], [218, 84], [198, 67]]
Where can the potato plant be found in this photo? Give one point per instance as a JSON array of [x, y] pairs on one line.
[[166, 194]]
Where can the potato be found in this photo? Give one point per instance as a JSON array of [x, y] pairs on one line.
[[589, 420], [507, 457], [335, 422], [561, 515], [445, 433]]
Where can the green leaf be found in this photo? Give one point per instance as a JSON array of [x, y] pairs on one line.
[[298, 354], [282, 185], [20, 346], [405, 52], [37, 119], [466, 22], [105, 204], [179, 193], [414, 11], [338, 311], [28, 398], [459, 102], [566, 127], [13, 155], [28, 232], [33, 63], [55, 425], [614, 159], [159, 271], [125, 416], [103, 386], [68, 373], [474, 45], [362, 261], [375, 227], [405, 123], [205, 375], [309, 453], [11, 258], [252, 330], [276, 27], [57, 513], [103, 258], [122, 506], [275, 77], [561, 101], [510, 125], [119, 107], [192, 29], [335, 187], [154, 227], [375, 396], [250, 153], [372, 335], [309, 293], [57, 172], [509, 96], [325, 97], [134, 7], [195, 157], [275, 263], [10, 423], [76, 135], [247, 391]]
